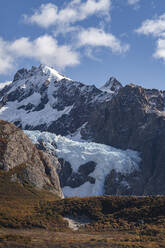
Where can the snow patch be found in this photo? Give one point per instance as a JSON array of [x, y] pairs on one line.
[[53, 74], [34, 99], [76, 223], [10, 113], [77, 135]]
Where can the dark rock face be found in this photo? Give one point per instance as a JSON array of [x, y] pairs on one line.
[[118, 184], [72, 179], [33, 166], [65, 172], [20, 74], [130, 121]]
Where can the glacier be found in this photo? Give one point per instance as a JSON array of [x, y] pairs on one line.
[[77, 153]]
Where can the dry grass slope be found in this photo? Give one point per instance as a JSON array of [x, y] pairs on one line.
[[31, 218]]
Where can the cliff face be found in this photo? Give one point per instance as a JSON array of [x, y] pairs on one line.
[[134, 120], [24, 163]]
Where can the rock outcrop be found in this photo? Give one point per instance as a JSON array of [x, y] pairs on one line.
[[26, 164]]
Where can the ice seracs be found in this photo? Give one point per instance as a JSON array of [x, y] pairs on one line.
[[106, 158]]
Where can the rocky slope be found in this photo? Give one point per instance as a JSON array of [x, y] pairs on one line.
[[24, 163]]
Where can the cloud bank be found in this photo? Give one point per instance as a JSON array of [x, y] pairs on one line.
[[97, 37]]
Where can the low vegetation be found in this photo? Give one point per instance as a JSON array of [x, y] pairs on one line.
[[31, 218]]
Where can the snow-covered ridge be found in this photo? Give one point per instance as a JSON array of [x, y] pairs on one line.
[[40, 71], [42, 96], [35, 78], [53, 73], [28, 84], [107, 158]]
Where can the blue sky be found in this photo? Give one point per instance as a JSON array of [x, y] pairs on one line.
[[88, 40]]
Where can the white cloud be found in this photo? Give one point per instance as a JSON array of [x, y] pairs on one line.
[[97, 37], [49, 14], [45, 16], [44, 49], [132, 2], [6, 60], [160, 49], [156, 28]]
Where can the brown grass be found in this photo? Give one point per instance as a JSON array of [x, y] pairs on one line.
[[31, 218]]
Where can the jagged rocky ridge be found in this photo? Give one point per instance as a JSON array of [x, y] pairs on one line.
[[129, 117], [24, 163], [42, 99]]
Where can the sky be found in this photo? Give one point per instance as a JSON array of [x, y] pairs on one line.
[[87, 40]]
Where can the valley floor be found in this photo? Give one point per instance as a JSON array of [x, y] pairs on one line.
[[32, 238]]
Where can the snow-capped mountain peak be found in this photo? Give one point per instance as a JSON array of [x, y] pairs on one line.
[[41, 71], [112, 85], [45, 99], [52, 73]]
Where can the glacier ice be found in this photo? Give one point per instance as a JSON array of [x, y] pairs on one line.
[[77, 153]]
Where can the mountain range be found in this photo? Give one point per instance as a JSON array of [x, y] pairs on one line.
[[126, 122]]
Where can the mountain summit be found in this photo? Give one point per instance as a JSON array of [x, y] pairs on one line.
[[111, 85], [40, 72], [41, 98]]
